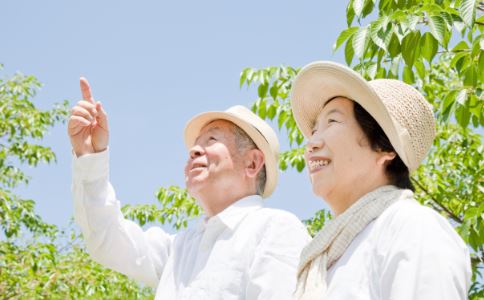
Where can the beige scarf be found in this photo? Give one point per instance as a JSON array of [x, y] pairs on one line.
[[331, 242]]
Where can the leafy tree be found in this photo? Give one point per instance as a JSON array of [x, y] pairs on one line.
[[37, 260], [437, 46], [21, 126], [60, 268]]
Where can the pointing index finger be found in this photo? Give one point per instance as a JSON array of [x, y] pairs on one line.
[[86, 90]]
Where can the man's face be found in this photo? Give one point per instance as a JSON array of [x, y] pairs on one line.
[[214, 162]]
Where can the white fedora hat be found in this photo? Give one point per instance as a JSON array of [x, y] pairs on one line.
[[400, 110], [257, 129]]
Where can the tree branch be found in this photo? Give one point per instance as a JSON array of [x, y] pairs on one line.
[[450, 213]]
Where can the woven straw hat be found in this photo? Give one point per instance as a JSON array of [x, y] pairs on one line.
[[257, 129], [400, 110]]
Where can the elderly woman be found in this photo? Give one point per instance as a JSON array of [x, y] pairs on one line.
[[364, 139]]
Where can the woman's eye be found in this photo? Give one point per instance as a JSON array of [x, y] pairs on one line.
[[212, 138], [332, 121]]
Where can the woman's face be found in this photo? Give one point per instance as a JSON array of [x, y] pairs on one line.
[[340, 160]]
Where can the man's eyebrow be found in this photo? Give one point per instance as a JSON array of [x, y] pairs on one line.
[[211, 130]]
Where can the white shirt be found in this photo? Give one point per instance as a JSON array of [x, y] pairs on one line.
[[409, 252], [245, 252]]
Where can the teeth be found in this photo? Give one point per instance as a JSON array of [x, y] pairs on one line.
[[318, 163]]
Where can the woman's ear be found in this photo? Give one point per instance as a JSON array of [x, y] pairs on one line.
[[385, 157], [254, 161]]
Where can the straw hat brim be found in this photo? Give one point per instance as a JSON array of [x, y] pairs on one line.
[[321, 81], [249, 124]]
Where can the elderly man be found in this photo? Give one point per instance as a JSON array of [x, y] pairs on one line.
[[239, 250]]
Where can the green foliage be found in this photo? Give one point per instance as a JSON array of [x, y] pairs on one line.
[[410, 40], [452, 182], [274, 105], [177, 208], [59, 268], [50, 264], [316, 223], [406, 37], [21, 126]]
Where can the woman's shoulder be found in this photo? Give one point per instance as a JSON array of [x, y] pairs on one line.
[[408, 221]]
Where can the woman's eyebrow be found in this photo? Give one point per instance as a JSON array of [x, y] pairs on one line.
[[334, 110]]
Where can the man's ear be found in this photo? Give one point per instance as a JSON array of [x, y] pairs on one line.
[[254, 161], [385, 157]]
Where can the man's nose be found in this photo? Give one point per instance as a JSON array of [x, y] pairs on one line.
[[196, 151]]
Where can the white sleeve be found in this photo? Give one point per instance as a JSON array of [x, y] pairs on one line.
[[426, 259], [111, 240], [272, 274]]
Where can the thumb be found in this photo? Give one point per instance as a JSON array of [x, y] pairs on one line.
[[102, 117]]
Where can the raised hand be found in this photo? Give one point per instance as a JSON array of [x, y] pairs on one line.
[[88, 124]]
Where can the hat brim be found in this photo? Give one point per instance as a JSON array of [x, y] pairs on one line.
[[321, 81], [195, 125]]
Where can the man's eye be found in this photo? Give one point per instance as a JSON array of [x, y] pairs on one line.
[[212, 138], [332, 121]]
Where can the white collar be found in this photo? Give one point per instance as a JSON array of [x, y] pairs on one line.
[[232, 215]]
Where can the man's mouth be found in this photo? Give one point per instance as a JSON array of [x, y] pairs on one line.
[[197, 166]]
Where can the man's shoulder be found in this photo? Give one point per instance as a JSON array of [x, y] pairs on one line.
[[277, 226], [277, 215], [276, 220]]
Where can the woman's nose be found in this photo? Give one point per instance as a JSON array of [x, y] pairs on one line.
[[315, 142]]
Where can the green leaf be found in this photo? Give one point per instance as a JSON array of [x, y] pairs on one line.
[[420, 67], [394, 46], [243, 77], [467, 10], [271, 113], [349, 52], [462, 115], [360, 41], [428, 46], [408, 75], [350, 14], [274, 91], [470, 76], [462, 45], [409, 47], [344, 35], [457, 57], [437, 28], [481, 66], [380, 33], [371, 70], [262, 90], [476, 46], [447, 105], [461, 97], [394, 67], [358, 7]]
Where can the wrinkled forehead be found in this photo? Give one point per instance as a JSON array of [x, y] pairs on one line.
[[217, 126]]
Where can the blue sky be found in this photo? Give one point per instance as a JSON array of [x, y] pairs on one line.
[[154, 65]]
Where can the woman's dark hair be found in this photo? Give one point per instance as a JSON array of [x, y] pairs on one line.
[[396, 170]]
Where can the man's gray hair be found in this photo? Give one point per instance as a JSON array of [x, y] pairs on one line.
[[244, 143]]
